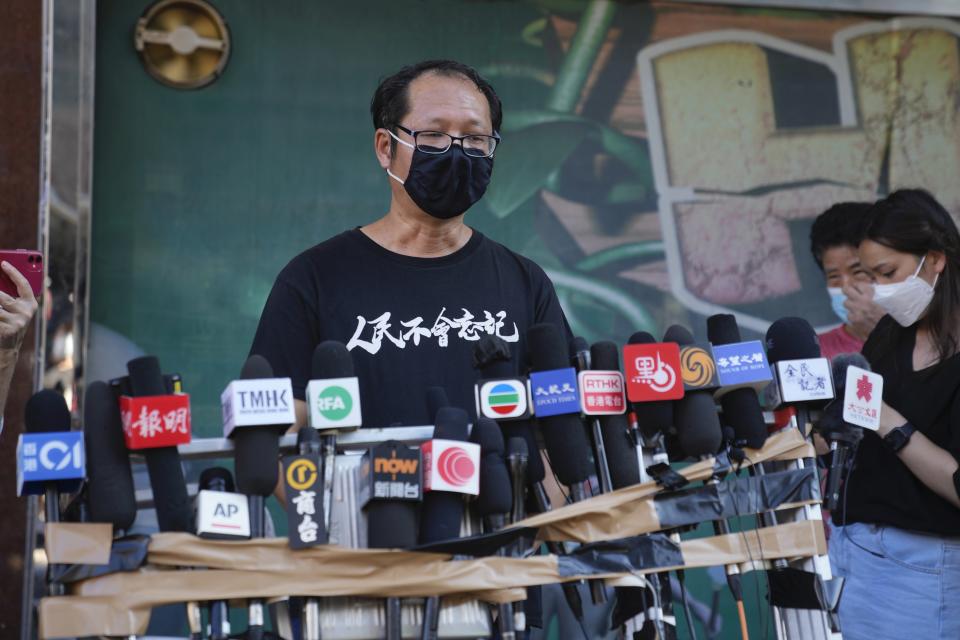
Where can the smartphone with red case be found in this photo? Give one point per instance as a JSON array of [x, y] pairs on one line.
[[29, 263]]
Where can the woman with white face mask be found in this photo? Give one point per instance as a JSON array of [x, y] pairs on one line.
[[898, 546]]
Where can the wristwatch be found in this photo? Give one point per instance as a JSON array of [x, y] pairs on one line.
[[898, 438]]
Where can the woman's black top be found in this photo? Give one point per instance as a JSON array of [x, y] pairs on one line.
[[881, 489]]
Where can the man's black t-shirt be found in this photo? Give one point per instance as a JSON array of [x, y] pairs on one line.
[[881, 489], [408, 322]]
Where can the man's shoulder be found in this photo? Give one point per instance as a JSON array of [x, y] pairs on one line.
[[320, 256], [504, 253]]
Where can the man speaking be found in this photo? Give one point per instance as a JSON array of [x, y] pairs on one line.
[[411, 293]]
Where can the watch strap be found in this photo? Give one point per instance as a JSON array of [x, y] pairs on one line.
[[898, 438]]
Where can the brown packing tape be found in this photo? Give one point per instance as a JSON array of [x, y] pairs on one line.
[[117, 604], [68, 617], [78, 542], [626, 512], [802, 539]]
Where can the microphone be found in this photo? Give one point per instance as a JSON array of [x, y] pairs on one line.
[[563, 433], [50, 459], [803, 375], [700, 434], [833, 425], [110, 489], [654, 418], [494, 503], [436, 400], [602, 390], [492, 357], [581, 358], [221, 514], [740, 405], [170, 499], [451, 469], [390, 492], [309, 448], [557, 407], [695, 414], [302, 484], [517, 458], [333, 404], [256, 450]]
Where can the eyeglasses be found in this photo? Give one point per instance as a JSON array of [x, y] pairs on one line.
[[475, 145]]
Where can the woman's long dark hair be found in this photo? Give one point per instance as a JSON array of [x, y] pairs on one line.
[[912, 221]]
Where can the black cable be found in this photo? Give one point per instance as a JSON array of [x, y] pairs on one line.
[[760, 608]]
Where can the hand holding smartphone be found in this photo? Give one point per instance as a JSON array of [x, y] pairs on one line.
[[30, 266]]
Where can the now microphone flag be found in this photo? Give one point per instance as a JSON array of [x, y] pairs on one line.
[[50, 458]]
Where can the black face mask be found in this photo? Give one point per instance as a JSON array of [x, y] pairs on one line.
[[446, 184]]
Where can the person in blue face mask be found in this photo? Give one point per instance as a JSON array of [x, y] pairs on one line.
[[834, 238]]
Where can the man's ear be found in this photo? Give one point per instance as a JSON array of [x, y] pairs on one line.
[[383, 148]]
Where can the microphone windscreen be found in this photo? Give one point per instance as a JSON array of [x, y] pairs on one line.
[[492, 357], [443, 511], [652, 417], [487, 434], [679, 334], [791, 339], [722, 329], [605, 356], [392, 524], [741, 407], [216, 479], [110, 490], [547, 347], [256, 367], [495, 496], [451, 424], [436, 400], [523, 430], [163, 463], [256, 449], [146, 379], [742, 411], [839, 366], [698, 426], [568, 447], [517, 447], [621, 451], [564, 435], [832, 418], [331, 360], [46, 412]]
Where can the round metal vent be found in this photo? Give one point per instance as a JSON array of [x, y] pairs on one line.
[[183, 43]]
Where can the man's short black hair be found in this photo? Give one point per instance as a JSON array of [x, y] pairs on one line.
[[842, 225], [390, 102]]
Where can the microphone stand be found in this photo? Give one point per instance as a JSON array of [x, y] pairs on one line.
[[308, 444]]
